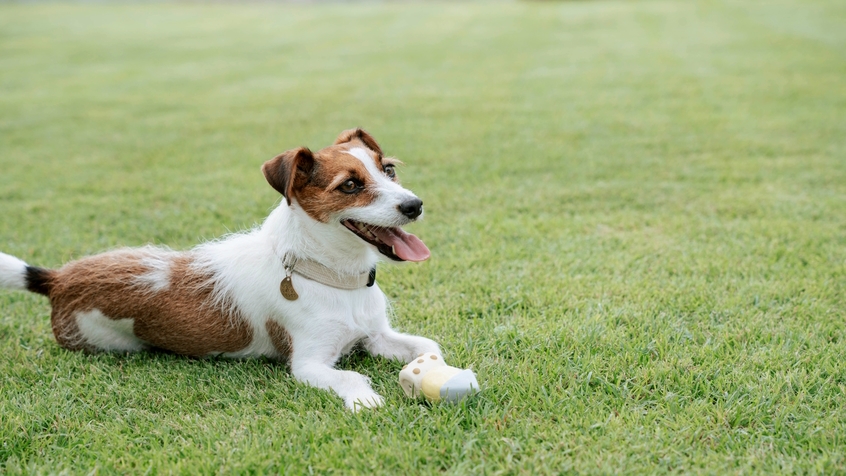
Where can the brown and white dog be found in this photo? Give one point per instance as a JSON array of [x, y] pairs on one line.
[[342, 213]]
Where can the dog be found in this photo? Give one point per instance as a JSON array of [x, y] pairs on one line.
[[299, 288]]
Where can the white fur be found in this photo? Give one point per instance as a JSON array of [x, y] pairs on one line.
[[261, 345], [12, 272], [383, 211], [158, 278], [107, 334]]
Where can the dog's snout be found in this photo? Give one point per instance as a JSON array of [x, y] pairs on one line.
[[411, 208]]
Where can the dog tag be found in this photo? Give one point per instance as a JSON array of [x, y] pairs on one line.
[[286, 287]]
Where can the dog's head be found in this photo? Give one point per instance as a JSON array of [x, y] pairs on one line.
[[351, 184]]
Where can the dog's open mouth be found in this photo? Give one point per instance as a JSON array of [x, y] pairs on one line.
[[391, 242]]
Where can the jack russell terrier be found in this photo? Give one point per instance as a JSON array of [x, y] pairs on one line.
[[300, 288]]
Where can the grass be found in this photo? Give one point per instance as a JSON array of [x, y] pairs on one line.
[[637, 213]]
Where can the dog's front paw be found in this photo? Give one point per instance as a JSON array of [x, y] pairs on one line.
[[364, 400], [402, 347]]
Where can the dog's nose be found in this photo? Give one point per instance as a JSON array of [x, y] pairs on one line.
[[411, 208]]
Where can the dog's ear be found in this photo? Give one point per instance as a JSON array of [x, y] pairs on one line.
[[361, 135], [289, 171]]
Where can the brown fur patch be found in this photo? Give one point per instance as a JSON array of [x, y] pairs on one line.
[[363, 136], [289, 170], [180, 319], [320, 198], [281, 339], [313, 177]]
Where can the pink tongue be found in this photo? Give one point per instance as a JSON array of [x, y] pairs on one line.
[[406, 245]]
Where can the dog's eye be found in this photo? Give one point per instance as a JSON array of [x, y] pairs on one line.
[[350, 186], [389, 171]]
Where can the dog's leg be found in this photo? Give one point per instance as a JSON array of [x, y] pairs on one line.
[[353, 387], [394, 345]]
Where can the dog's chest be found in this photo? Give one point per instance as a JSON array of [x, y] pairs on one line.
[[333, 317]]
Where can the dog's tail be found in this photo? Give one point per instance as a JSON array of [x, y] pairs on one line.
[[15, 274]]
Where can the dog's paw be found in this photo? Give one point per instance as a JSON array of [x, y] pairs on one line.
[[362, 401], [422, 345]]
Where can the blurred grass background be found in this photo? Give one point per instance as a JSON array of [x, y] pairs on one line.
[[637, 213]]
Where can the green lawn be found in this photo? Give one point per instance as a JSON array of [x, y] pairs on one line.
[[636, 211]]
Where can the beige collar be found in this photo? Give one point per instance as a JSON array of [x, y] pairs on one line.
[[315, 271]]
